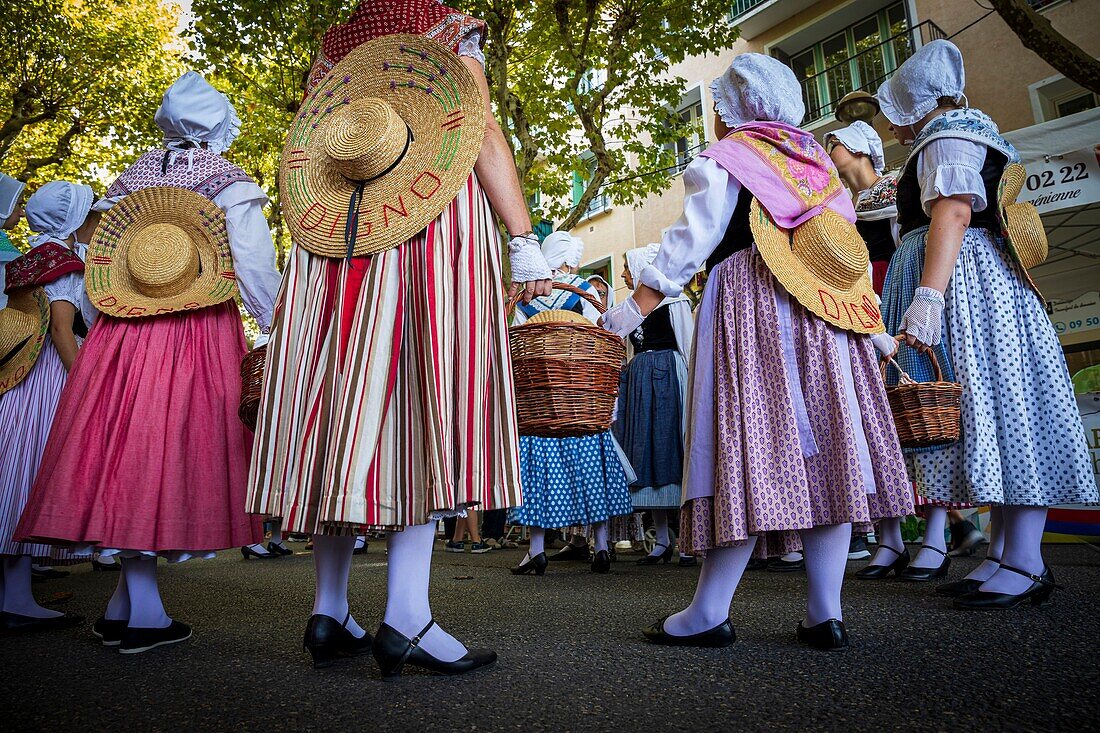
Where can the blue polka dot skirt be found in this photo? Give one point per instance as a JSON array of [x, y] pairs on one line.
[[570, 481], [1022, 441]]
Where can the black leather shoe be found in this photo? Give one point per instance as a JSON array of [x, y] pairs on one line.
[[12, 624], [601, 562], [779, 565], [665, 556], [393, 650], [828, 635], [136, 641], [247, 552], [327, 640], [720, 636], [757, 563], [964, 586], [108, 631], [570, 552], [880, 572], [688, 561], [536, 564], [48, 574], [1037, 595], [361, 550], [919, 575], [276, 549], [106, 567]]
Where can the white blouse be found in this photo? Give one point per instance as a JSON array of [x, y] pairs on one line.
[[710, 198], [951, 167], [470, 46], [70, 288]]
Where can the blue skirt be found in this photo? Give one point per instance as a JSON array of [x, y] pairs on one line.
[[569, 481], [649, 428]]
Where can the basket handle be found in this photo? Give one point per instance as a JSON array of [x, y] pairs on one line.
[[513, 302], [904, 378]]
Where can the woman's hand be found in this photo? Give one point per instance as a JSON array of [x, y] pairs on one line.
[[628, 315], [886, 344], [529, 268], [922, 322]]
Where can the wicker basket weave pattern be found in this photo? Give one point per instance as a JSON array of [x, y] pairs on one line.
[[926, 413], [566, 375], [252, 385]]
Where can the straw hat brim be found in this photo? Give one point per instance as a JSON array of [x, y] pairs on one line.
[[445, 112], [1021, 222], [35, 303], [558, 316], [855, 309], [109, 283]]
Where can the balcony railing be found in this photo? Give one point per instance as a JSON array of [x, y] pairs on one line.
[[740, 7], [824, 89]]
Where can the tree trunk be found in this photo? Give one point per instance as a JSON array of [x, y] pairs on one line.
[[1037, 34]]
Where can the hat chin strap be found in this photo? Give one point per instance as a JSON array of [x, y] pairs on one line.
[[15, 350], [351, 228]]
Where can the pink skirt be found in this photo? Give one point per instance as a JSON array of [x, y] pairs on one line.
[[147, 452]]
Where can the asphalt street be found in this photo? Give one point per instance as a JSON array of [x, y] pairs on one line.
[[571, 656]]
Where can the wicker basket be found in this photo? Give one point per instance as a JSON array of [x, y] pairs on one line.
[[252, 384], [925, 413], [566, 374]]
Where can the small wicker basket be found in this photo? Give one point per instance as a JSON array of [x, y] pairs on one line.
[[252, 385], [566, 374], [925, 413]]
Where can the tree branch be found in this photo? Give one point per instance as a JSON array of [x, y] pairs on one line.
[[1037, 34], [62, 150]]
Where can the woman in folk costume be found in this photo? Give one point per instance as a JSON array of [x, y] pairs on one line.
[[650, 421], [388, 391], [568, 482], [790, 437], [40, 293], [148, 457], [960, 287]]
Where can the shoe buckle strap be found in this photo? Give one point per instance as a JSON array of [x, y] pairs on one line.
[[933, 549], [1035, 578]]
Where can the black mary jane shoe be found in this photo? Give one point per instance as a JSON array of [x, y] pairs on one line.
[[247, 552], [361, 550], [1037, 595], [109, 631], [572, 552], [914, 574], [665, 556], [536, 564], [13, 624], [829, 636], [688, 561], [106, 567], [327, 640], [393, 650], [136, 641], [719, 637], [964, 586], [277, 549], [880, 572], [601, 562]]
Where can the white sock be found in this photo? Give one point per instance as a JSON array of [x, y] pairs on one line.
[[660, 524], [259, 549], [331, 567], [792, 557], [118, 608], [537, 536], [599, 536], [889, 535], [826, 551], [995, 550], [18, 597], [360, 542], [106, 559], [935, 523], [722, 570], [407, 607], [146, 606], [1023, 549]]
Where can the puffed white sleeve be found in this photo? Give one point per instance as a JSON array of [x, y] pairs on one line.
[[253, 249], [68, 287], [710, 198], [951, 167], [470, 46]]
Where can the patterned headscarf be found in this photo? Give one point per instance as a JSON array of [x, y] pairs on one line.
[[757, 87]]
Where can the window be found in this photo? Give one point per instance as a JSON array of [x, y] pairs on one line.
[[740, 7], [600, 202], [859, 57], [1073, 105], [1058, 96], [690, 113]]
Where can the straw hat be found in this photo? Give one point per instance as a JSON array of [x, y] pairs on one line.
[[23, 326], [856, 106], [823, 264], [160, 250], [386, 140], [1022, 225], [558, 316]]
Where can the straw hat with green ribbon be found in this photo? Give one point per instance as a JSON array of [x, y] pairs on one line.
[[160, 250], [381, 147], [23, 327], [823, 264]]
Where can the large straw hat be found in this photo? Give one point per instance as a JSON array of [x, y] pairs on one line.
[[385, 141], [160, 250], [856, 106], [23, 326], [823, 264], [1022, 225]]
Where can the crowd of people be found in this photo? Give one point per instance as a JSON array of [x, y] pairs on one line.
[[760, 420]]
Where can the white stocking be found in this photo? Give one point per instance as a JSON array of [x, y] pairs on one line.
[[118, 608], [660, 524], [18, 597], [995, 550], [825, 549], [146, 607], [935, 523], [722, 570], [1023, 549], [407, 606], [599, 536], [332, 566], [888, 532]]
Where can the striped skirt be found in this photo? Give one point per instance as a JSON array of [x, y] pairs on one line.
[[388, 396]]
